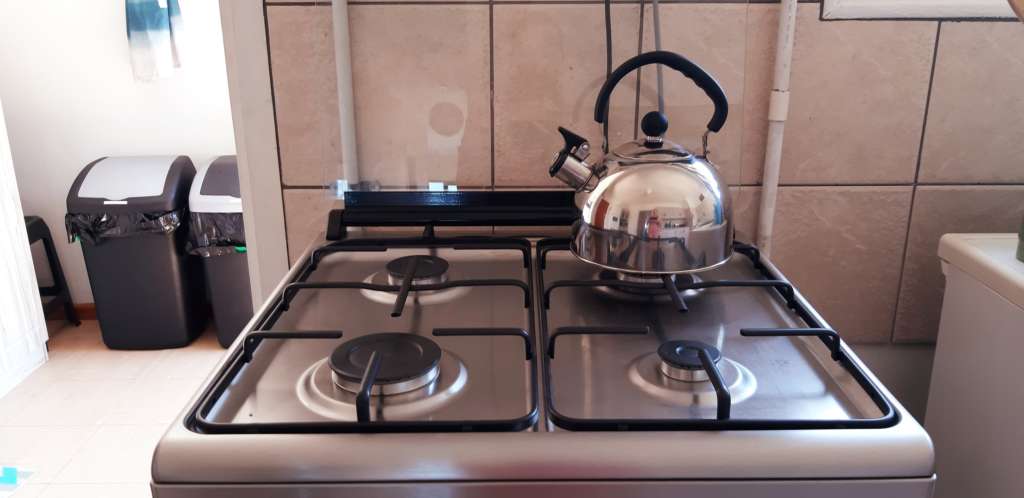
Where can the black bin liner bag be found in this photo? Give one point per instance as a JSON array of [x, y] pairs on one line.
[[94, 228], [216, 234]]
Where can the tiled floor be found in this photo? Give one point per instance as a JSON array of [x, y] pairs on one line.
[[86, 422]]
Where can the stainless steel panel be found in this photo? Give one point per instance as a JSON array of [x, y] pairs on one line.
[[903, 488], [482, 378], [187, 462], [596, 376]]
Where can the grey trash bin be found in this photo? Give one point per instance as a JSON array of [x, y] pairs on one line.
[[129, 214], [217, 236]]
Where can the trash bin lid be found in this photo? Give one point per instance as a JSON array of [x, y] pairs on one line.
[[132, 184], [216, 188]]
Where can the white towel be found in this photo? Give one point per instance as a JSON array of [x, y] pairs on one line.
[[155, 29]]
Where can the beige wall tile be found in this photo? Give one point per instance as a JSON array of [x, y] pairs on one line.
[[842, 246], [858, 99], [549, 64], [976, 117], [305, 216], [715, 39], [305, 93], [762, 27], [422, 88], [937, 211], [746, 203]]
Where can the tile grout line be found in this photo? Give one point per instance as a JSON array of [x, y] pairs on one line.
[[639, 70], [78, 448], [914, 186], [277, 136]]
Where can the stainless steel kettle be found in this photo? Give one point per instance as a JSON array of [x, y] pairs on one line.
[[649, 206]]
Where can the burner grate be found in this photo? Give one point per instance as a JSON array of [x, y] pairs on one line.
[[722, 421], [198, 415]]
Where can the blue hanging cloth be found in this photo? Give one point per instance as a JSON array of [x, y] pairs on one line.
[[155, 30]]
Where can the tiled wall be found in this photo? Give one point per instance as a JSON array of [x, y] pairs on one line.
[[899, 131]]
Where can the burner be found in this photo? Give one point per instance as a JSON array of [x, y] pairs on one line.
[[680, 361], [426, 270], [655, 294], [644, 278], [407, 362]]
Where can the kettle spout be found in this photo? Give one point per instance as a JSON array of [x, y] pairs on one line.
[[570, 166]]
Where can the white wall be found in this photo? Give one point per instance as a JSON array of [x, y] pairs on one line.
[[69, 97]]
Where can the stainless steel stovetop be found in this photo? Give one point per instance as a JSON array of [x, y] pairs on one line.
[[548, 381]]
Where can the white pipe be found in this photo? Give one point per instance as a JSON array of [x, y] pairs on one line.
[[778, 109], [346, 107]]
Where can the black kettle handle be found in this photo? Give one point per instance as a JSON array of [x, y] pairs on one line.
[[675, 61]]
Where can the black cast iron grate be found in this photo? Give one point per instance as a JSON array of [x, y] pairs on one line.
[[723, 419], [199, 421]]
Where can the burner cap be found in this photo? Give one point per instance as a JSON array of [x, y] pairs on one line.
[[426, 268], [683, 354], [657, 292], [681, 279], [407, 359]]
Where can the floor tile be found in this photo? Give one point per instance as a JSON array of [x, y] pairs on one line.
[[100, 364], [24, 491], [114, 454], [88, 421], [194, 363], [105, 490], [152, 401], [42, 451], [62, 402]]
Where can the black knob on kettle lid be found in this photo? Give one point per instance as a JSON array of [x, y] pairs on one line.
[[654, 124]]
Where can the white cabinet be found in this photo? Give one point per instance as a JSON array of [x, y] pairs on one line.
[[977, 391]]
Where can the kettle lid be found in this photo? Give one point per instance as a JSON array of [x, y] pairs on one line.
[[653, 147]]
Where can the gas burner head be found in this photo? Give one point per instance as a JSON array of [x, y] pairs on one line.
[[647, 278], [656, 294], [425, 269], [680, 360], [407, 362]]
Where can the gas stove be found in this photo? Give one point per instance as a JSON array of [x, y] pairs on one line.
[[500, 365]]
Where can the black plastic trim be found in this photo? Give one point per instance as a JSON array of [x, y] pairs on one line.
[[462, 208]]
